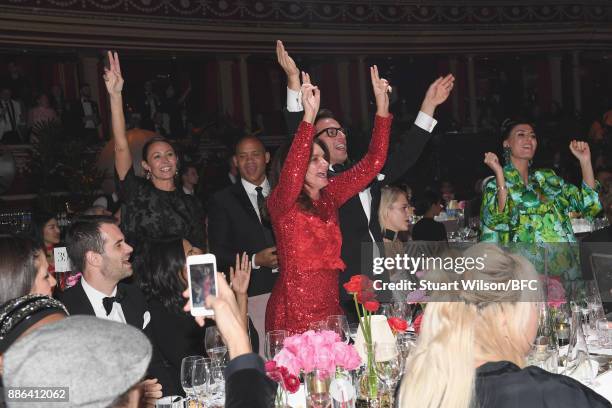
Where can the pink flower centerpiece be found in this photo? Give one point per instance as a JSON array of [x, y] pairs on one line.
[[311, 350]]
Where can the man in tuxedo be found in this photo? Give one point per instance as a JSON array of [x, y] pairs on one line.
[[10, 117], [359, 215], [96, 247], [86, 116], [238, 223]]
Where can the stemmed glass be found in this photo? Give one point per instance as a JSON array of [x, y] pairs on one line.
[[274, 343], [340, 326], [389, 365], [216, 387], [215, 348], [200, 378], [187, 365]]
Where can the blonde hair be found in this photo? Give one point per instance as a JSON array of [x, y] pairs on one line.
[[388, 196], [477, 326]]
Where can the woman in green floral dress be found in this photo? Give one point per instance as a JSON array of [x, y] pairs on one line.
[[522, 205]]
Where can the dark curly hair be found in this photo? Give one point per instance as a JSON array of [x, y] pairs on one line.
[[157, 270]]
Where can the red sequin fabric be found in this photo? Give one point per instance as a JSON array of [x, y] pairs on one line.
[[308, 241]]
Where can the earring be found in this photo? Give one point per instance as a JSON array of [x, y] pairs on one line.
[[507, 153], [148, 175]]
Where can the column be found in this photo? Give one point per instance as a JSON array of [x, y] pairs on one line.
[[225, 86], [576, 81], [244, 92], [554, 62], [472, 93], [363, 95], [345, 90], [453, 64], [89, 67]]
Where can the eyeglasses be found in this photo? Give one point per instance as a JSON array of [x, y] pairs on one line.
[[332, 132]]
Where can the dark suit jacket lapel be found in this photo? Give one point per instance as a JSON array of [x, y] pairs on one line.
[[78, 303], [242, 197], [132, 311]]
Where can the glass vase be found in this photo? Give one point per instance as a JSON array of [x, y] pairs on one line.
[[370, 392], [317, 383], [281, 399]]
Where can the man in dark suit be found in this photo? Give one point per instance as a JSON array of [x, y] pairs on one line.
[[359, 215], [96, 246], [85, 116], [237, 223]]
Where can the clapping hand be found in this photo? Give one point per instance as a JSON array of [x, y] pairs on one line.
[[241, 275], [437, 93], [581, 150], [381, 90], [112, 75]]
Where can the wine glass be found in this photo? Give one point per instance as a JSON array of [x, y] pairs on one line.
[[215, 348], [187, 365], [216, 387], [318, 326], [389, 364], [406, 342], [340, 326], [274, 342], [200, 378]]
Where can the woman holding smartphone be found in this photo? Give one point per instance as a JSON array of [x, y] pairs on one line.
[[161, 273], [303, 208]]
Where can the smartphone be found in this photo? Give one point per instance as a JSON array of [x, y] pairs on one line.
[[202, 278]]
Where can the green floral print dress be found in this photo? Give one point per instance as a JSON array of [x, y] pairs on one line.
[[538, 214]]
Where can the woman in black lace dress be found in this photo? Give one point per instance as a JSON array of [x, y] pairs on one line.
[[153, 207]]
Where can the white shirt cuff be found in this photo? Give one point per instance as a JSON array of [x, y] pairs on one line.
[[253, 264], [294, 101], [425, 122]]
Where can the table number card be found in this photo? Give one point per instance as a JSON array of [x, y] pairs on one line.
[[62, 262]]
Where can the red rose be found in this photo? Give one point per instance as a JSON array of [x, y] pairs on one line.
[[371, 305], [397, 325], [291, 383], [270, 365], [417, 323], [354, 284]]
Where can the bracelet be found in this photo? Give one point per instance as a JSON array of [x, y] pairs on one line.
[[502, 188]]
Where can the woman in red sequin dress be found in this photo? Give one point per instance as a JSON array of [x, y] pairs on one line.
[[303, 208]]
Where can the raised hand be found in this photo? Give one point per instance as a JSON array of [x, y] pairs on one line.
[[289, 66], [437, 93], [491, 160], [112, 75], [581, 150], [241, 275], [311, 99], [381, 89]]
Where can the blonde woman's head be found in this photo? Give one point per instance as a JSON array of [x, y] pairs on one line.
[[395, 211], [474, 327]]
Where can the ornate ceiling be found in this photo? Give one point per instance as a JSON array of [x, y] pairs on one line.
[[331, 26]]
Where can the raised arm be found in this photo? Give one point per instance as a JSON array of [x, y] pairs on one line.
[[114, 86], [414, 140], [291, 179], [293, 112], [351, 182]]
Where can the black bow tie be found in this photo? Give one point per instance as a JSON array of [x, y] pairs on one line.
[[108, 302]]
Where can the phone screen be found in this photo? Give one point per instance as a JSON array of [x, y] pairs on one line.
[[202, 283]]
